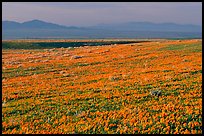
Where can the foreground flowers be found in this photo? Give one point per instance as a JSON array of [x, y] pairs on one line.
[[105, 91]]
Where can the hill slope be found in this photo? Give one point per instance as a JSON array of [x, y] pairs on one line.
[[104, 89]]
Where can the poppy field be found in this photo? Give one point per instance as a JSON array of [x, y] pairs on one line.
[[104, 89]]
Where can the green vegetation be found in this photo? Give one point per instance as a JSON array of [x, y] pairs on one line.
[[42, 45], [192, 47]]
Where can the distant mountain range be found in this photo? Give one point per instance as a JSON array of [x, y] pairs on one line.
[[34, 24], [41, 29], [148, 26]]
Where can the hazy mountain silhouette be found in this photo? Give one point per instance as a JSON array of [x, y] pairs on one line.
[[42, 29], [148, 26], [33, 24]]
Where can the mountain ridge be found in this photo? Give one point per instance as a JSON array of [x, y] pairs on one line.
[[149, 26], [33, 24], [42, 29]]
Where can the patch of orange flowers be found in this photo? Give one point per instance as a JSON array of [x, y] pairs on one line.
[[104, 91]]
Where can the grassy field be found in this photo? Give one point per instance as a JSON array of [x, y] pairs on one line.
[[43, 44], [104, 89]]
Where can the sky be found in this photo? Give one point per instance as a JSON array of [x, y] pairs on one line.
[[94, 13]]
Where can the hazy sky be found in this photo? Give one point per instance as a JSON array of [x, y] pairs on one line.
[[93, 13]]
